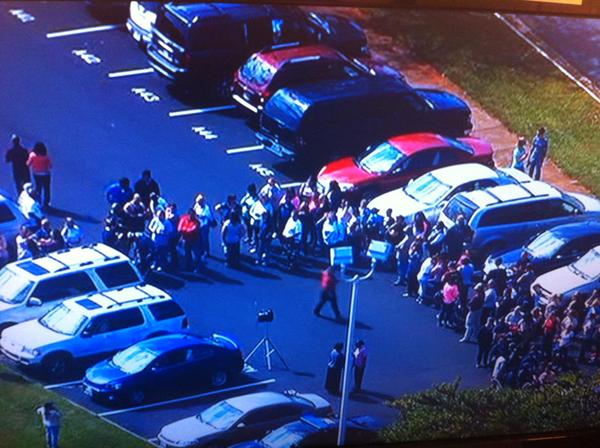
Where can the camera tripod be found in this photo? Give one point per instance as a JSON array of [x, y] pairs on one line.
[[270, 348]]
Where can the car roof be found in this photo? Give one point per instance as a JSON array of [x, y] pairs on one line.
[[189, 13], [249, 402], [277, 57], [511, 192], [129, 297], [169, 342], [576, 229], [82, 257], [409, 144], [465, 172]]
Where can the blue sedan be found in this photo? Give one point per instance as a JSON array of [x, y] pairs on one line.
[[553, 248], [160, 363]]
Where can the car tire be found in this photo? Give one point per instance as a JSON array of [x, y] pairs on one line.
[[56, 365], [219, 378], [136, 397]]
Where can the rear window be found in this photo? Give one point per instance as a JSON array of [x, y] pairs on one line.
[[118, 274], [460, 206], [6, 215], [165, 310], [257, 71], [286, 108], [171, 27]]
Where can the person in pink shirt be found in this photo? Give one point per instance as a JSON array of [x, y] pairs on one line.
[[41, 165], [450, 294]]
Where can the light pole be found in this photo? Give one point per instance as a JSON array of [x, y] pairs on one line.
[[378, 251]]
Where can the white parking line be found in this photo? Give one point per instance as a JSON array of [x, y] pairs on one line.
[[177, 400], [140, 71], [91, 29], [56, 386], [181, 113], [245, 149]]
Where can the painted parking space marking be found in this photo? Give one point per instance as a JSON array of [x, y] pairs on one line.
[[191, 397], [204, 132], [245, 149], [56, 386], [181, 113], [22, 15], [262, 171], [88, 58], [145, 94], [92, 29], [139, 71]]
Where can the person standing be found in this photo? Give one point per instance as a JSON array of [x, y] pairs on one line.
[[207, 220], [335, 366], [17, 156], [119, 192], [232, 233], [145, 186], [41, 165], [160, 231], [29, 205], [415, 256], [328, 293], [71, 233], [51, 417], [189, 228], [485, 338], [519, 155], [24, 243], [457, 237], [473, 319], [4, 255], [360, 363], [537, 155]]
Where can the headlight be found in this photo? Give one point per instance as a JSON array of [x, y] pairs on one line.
[[31, 351]]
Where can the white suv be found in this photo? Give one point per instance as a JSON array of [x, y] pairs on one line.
[[29, 288], [91, 327]]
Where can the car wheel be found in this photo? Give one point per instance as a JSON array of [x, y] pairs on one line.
[[56, 365], [136, 397], [218, 378]]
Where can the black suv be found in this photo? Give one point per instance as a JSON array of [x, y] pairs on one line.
[[330, 119], [209, 41]]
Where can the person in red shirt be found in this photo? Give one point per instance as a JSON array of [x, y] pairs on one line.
[[328, 293], [189, 228], [41, 165]]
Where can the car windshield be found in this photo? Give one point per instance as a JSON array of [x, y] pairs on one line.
[[459, 206], [220, 416], [588, 265], [63, 320], [257, 71], [427, 189], [545, 245], [134, 359], [13, 288], [283, 438], [380, 159]]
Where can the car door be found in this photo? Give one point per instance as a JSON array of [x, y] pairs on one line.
[[169, 369], [202, 363], [447, 156], [410, 168], [501, 227], [572, 251], [255, 424], [52, 291], [113, 331]]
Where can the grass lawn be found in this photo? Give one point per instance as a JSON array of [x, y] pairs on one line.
[[507, 77], [22, 427]]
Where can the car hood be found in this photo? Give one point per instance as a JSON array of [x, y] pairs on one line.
[[32, 334], [481, 148], [188, 430], [104, 372], [591, 204], [561, 281], [8, 306], [399, 202], [344, 171], [440, 100]]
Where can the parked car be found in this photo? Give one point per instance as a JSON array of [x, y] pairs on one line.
[[582, 276], [552, 249], [241, 418], [290, 65], [318, 431], [355, 113], [336, 31], [31, 287], [202, 42], [505, 217], [141, 20], [400, 159], [164, 362], [92, 327], [430, 192], [11, 220]]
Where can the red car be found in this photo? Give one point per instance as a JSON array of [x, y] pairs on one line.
[[393, 163], [290, 64]]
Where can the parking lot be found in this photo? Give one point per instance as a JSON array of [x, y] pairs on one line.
[[85, 89]]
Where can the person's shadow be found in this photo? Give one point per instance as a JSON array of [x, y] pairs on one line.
[[59, 213]]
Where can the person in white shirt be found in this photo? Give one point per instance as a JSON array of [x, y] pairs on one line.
[[23, 243], [160, 229], [207, 220], [333, 232], [292, 236], [28, 204], [272, 191], [71, 233]]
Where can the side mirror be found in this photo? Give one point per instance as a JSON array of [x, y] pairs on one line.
[[34, 301], [86, 334], [240, 425]]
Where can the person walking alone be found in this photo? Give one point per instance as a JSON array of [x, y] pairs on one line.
[[17, 156], [538, 153], [41, 166], [51, 417], [334, 369], [328, 293], [360, 356]]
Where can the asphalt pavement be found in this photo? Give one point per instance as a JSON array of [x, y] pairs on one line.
[[98, 129]]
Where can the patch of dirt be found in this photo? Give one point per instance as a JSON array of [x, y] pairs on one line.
[[384, 50]]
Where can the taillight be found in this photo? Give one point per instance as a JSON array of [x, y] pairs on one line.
[[185, 323]]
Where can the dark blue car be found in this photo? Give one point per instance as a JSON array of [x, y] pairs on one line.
[[552, 249], [157, 364], [318, 431]]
